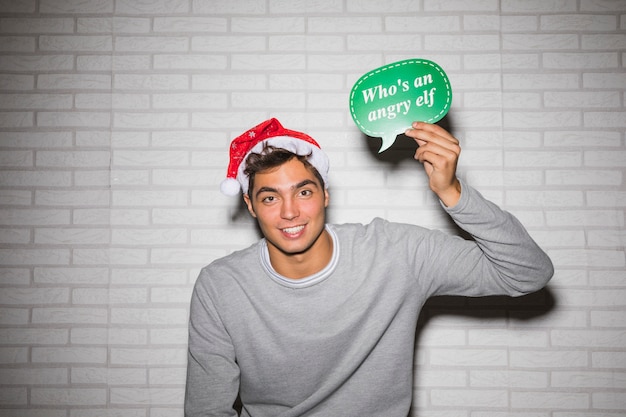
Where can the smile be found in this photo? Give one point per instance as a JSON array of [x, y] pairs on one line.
[[293, 230]]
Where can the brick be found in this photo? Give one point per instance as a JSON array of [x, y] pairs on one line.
[[35, 179], [33, 336], [589, 338], [16, 82], [13, 355], [178, 24], [545, 159], [540, 81], [578, 99], [168, 376], [14, 316], [534, 42], [343, 24], [607, 238], [564, 60], [170, 336], [154, 82], [154, 356], [74, 43], [34, 295], [609, 400], [139, 276], [544, 198], [538, 6], [460, 5], [516, 338], [418, 24], [112, 25], [148, 316], [158, 7], [68, 396], [19, 120], [34, 256], [110, 296], [584, 177], [390, 42], [603, 80], [542, 359], [468, 357], [187, 256], [267, 25], [155, 120], [608, 360], [469, 398], [73, 119], [63, 276], [148, 198], [147, 396], [609, 119], [565, 119], [510, 378], [588, 258], [115, 256], [17, 44], [15, 236], [69, 315], [268, 100], [34, 376], [604, 41], [37, 63], [109, 376], [268, 62], [309, 43], [190, 62], [462, 43], [146, 44], [564, 139], [37, 101], [228, 7], [13, 396], [550, 400]]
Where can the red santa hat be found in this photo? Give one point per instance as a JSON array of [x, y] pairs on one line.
[[271, 133]]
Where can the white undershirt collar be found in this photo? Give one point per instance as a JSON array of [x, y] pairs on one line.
[[306, 281]]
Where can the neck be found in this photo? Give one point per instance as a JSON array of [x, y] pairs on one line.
[[307, 263]]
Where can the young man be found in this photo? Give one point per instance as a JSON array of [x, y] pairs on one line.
[[320, 320]]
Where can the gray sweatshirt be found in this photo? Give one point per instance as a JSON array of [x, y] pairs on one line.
[[341, 342]]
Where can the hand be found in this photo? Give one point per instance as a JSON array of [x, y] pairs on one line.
[[439, 153]]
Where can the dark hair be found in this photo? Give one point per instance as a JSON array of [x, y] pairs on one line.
[[273, 157]]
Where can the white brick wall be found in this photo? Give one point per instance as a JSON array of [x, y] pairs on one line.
[[114, 122]]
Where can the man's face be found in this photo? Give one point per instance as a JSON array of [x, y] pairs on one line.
[[289, 203]]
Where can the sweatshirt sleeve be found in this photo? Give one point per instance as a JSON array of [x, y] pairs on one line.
[[501, 259], [212, 372]]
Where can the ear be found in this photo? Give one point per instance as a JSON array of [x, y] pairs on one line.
[[326, 198], [246, 198]]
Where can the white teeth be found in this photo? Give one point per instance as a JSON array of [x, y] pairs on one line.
[[293, 230]]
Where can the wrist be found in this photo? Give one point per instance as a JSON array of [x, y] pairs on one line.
[[451, 195]]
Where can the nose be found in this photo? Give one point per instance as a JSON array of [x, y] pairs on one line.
[[289, 209]]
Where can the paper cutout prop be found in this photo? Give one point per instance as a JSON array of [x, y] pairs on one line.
[[385, 101]]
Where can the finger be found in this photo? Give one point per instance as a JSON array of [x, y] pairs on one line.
[[436, 136], [450, 152]]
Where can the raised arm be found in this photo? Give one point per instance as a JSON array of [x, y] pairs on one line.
[[439, 153]]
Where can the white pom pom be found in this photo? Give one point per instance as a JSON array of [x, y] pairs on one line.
[[230, 186]]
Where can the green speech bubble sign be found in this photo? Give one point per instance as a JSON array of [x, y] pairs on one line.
[[384, 102]]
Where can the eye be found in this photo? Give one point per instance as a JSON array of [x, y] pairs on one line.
[[306, 193], [269, 199]]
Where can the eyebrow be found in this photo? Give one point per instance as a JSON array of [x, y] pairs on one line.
[[293, 187]]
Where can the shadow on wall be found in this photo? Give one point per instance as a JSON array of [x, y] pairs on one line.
[[403, 148]]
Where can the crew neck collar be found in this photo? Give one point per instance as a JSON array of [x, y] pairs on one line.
[[305, 282]]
